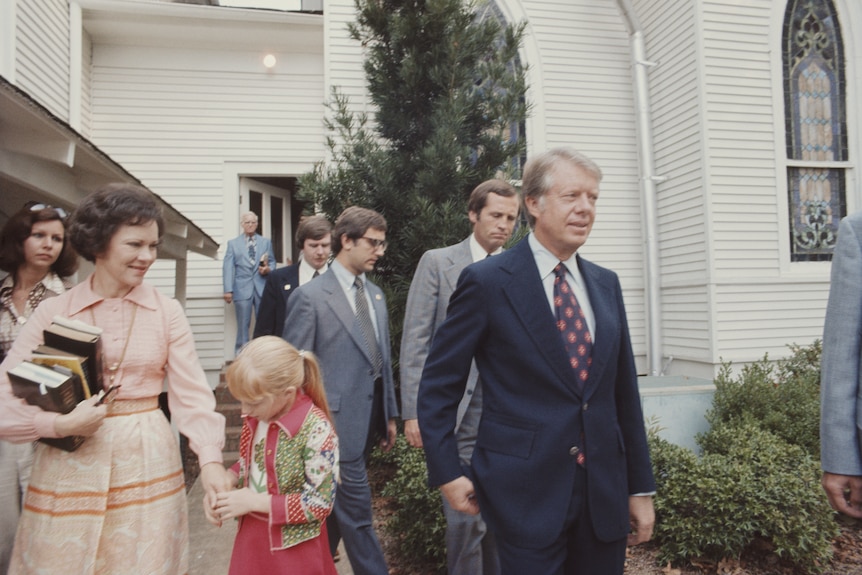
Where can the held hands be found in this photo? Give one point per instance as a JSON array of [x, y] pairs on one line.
[[641, 518], [84, 420], [461, 496], [239, 502], [215, 479], [844, 493]]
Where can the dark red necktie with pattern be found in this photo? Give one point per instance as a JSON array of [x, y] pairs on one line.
[[573, 326]]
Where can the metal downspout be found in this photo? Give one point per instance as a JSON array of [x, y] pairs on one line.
[[648, 181]]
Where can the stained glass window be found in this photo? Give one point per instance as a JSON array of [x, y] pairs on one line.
[[816, 126]]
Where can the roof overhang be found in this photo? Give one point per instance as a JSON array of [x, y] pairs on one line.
[[173, 25], [43, 158]]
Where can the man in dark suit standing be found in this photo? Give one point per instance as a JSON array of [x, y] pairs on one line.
[[493, 210], [560, 470], [314, 238], [341, 317]]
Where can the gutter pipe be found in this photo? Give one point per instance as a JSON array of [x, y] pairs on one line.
[[648, 181]]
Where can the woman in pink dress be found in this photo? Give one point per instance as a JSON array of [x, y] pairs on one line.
[[288, 467], [117, 504]]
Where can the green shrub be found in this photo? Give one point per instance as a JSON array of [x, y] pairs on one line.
[[417, 524], [748, 485], [758, 478], [782, 397]]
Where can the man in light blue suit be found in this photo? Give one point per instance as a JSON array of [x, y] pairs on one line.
[[247, 261], [493, 210], [841, 376], [341, 317], [561, 469]]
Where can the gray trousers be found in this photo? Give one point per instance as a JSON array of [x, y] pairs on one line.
[[470, 548], [352, 511]]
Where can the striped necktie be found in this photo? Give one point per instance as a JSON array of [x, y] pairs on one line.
[[367, 327]]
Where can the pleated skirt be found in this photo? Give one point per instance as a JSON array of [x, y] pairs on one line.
[[115, 506]]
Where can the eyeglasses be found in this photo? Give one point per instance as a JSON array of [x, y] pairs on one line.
[[39, 207], [375, 243]]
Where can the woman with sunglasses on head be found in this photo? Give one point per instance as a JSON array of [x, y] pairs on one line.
[[38, 260], [116, 505]]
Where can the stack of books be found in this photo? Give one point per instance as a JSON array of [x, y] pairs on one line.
[[64, 371]]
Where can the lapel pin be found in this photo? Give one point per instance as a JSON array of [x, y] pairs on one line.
[[377, 297], [286, 287]]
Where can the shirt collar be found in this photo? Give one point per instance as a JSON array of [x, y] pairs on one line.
[[305, 267], [345, 277], [84, 296], [546, 261], [477, 252]]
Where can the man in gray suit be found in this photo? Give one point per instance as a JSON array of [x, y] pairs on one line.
[[840, 405], [341, 317], [493, 210]]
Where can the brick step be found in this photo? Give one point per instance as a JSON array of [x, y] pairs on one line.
[[230, 457], [232, 414], [223, 396], [231, 440]]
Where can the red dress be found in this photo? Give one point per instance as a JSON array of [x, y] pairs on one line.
[[295, 460], [251, 553]]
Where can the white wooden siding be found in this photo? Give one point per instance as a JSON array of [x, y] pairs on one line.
[[670, 31], [588, 103], [42, 59], [175, 118], [86, 77]]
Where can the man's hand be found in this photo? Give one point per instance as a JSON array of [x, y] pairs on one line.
[[844, 493], [411, 432], [461, 496], [388, 443], [228, 297], [642, 519]]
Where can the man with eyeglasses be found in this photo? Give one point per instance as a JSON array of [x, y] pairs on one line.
[[248, 259], [341, 317]]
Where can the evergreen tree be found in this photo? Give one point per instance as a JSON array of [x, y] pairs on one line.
[[444, 81]]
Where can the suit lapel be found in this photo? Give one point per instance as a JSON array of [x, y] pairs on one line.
[[459, 258], [337, 302], [379, 306], [603, 303], [526, 296]]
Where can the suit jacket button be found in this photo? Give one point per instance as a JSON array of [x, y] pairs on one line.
[[585, 406], [573, 450]]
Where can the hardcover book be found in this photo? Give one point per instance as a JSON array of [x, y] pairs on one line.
[[56, 389], [82, 339], [50, 356]]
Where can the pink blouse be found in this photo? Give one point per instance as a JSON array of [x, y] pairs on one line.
[[161, 346]]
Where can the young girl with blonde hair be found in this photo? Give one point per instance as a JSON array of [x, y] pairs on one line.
[[288, 466]]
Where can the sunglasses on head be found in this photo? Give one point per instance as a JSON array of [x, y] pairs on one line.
[[39, 207]]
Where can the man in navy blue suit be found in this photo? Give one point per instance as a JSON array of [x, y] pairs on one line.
[[560, 470], [314, 238]]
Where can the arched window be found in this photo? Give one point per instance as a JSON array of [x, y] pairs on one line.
[[816, 124], [516, 130]]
